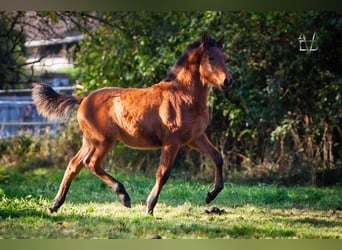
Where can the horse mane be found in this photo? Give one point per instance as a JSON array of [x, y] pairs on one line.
[[210, 42]]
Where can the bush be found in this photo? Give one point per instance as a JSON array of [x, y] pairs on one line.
[[27, 151]]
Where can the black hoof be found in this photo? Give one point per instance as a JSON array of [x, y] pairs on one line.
[[126, 200], [52, 210], [149, 211], [127, 203], [212, 194]]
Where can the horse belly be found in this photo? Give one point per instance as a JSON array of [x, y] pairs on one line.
[[140, 139]]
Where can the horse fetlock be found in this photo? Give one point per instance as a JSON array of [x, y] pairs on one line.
[[219, 187], [210, 197]]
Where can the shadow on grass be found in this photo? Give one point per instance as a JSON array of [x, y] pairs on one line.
[[317, 222], [88, 188], [19, 213], [85, 226]]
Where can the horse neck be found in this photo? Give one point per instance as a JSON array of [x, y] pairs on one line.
[[190, 80], [187, 73]]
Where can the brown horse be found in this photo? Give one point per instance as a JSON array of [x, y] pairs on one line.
[[165, 116]]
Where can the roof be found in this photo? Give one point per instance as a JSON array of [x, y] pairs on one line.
[[37, 26], [68, 39]]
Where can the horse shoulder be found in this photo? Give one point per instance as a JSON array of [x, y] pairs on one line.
[[174, 108]]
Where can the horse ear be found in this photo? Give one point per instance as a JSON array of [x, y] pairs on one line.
[[205, 40], [220, 43]]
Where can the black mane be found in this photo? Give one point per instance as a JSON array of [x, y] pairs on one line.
[[210, 42]]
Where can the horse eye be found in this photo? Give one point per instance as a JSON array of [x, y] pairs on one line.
[[210, 58]]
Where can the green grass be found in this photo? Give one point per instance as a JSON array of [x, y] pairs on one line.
[[92, 210]]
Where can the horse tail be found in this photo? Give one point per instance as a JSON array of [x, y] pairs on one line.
[[51, 104]]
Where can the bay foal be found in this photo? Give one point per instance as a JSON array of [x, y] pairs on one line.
[[166, 116]]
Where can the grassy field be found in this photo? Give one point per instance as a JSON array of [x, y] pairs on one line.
[[92, 210]]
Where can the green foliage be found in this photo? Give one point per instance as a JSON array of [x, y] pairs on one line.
[[12, 51], [27, 151], [135, 51]]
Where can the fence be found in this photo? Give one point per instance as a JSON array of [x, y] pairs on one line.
[[18, 113]]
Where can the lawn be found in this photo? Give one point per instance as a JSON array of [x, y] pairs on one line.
[[92, 210]]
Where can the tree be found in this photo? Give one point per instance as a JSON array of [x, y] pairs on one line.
[[11, 50], [137, 48], [17, 27]]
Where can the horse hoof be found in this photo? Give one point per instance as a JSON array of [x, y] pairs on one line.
[[149, 211], [125, 199], [52, 210], [127, 204]]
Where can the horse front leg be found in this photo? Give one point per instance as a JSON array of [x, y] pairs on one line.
[[168, 156], [204, 146]]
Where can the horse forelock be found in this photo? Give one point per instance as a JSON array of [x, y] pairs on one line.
[[182, 60], [210, 42]]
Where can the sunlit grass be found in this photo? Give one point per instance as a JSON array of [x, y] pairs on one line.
[[92, 210]]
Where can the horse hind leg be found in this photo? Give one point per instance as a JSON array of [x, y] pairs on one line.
[[74, 167], [93, 163]]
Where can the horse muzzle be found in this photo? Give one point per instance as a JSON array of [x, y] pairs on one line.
[[227, 83]]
